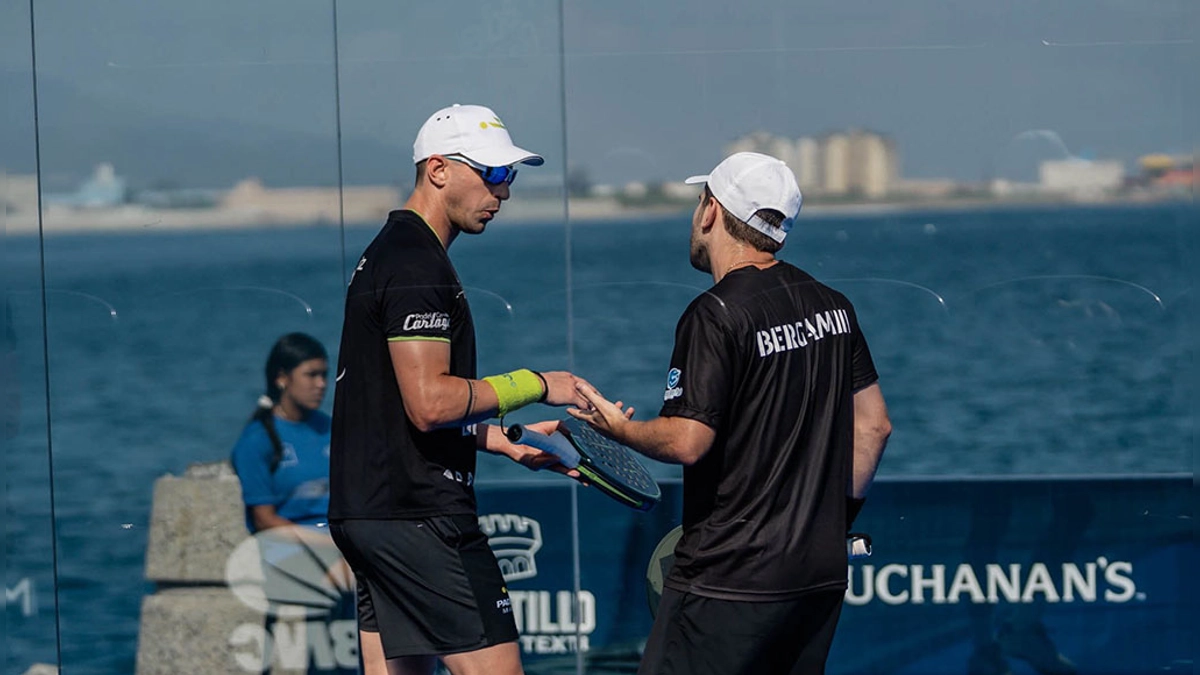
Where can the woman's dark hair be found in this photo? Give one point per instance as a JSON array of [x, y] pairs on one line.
[[289, 351]]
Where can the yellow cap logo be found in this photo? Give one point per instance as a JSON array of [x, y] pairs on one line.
[[497, 123]]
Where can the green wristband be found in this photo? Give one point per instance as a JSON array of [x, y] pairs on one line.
[[516, 389]]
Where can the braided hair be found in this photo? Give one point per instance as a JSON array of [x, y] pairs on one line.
[[288, 352]]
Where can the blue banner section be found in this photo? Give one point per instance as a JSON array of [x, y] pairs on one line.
[[1069, 575], [529, 528]]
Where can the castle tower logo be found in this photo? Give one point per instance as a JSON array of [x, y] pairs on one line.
[[514, 540]]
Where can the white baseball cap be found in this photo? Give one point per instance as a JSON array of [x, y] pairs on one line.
[[473, 131], [748, 181]]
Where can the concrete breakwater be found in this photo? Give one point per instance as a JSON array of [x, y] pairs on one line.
[[227, 602]]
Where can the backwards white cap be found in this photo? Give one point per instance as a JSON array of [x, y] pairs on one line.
[[473, 131], [748, 181]]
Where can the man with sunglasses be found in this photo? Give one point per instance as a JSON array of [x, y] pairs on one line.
[[407, 418]]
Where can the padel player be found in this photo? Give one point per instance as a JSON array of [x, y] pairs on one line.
[[772, 404], [402, 459]]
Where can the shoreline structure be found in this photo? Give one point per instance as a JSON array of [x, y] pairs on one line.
[[130, 218]]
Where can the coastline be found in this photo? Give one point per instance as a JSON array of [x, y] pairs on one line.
[[126, 219]]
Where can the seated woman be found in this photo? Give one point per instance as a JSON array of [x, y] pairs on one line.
[[282, 460], [282, 456]]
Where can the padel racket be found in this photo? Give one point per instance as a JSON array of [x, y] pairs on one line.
[[609, 466]]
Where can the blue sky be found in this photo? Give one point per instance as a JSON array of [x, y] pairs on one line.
[[205, 93]]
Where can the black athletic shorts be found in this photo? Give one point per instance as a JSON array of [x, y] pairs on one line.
[[429, 586], [695, 635]]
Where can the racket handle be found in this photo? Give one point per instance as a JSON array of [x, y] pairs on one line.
[[858, 546], [555, 444]]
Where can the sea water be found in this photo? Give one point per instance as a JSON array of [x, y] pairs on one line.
[[1011, 342]]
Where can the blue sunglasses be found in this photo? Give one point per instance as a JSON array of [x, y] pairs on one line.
[[492, 175]]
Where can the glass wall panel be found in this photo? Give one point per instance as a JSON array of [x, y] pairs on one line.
[[31, 629], [1001, 192], [399, 64], [191, 213], [958, 101], [1004, 193]]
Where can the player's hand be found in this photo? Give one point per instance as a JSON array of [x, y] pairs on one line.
[[601, 414], [562, 388], [534, 459]]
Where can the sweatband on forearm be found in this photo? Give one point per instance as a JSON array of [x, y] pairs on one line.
[[516, 389]]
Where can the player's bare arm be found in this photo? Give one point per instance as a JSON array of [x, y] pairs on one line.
[[871, 430], [433, 398], [675, 440]]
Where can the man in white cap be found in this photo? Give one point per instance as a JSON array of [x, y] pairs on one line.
[[407, 412], [773, 407]]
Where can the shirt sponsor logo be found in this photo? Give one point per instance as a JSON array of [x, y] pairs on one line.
[[427, 321], [898, 584], [673, 388], [457, 477], [798, 335], [289, 457]]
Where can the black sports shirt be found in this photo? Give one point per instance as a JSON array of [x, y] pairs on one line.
[[770, 359], [380, 465]]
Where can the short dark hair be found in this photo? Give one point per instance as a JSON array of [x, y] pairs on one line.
[[748, 235]]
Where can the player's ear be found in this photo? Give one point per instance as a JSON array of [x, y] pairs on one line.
[[709, 214], [437, 170]]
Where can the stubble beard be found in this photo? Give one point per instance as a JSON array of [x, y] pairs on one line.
[[466, 222], [699, 257]]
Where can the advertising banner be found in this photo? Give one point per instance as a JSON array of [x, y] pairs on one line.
[[1049, 575]]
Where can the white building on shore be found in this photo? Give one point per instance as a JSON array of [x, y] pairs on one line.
[[840, 163], [310, 204], [1081, 178]]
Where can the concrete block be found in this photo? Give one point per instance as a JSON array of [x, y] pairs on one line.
[[210, 631], [196, 521], [193, 630], [219, 609]]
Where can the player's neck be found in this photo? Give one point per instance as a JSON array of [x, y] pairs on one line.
[[433, 215], [731, 258]]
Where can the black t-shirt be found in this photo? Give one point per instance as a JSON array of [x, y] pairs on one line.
[[380, 464], [770, 359]]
